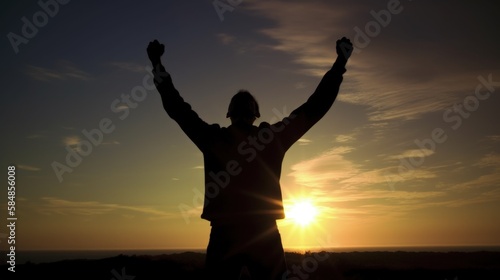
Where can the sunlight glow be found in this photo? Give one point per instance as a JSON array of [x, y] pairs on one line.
[[303, 213]]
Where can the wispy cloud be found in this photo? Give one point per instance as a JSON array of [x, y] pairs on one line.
[[64, 71], [484, 197], [493, 138], [52, 205], [489, 160], [72, 141], [307, 30], [487, 177], [239, 44], [28, 167], [400, 197], [387, 98], [122, 107], [225, 38], [344, 138], [304, 141], [44, 74], [377, 77], [337, 181], [325, 169], [413, 153], [300, 85], [358, 198], [129, 66]]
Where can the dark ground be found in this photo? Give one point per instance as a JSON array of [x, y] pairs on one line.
[[352, 265]]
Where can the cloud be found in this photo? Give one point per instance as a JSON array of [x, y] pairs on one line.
[[388, 99], [65, 71], [360, 204], [225, 38], [321, 171], [344, 138], [122, 107], [396, 175], [400, 197], [129, 66], [413, 153], [72, 142], [347, 190], [302, 29], [300, 85], [487, 177], [489, 160], [28, 167], [331, 170], [43, 74], [493, 138], [59, 206], [476, 198], [392, 77], [241, 44], [304, 142]]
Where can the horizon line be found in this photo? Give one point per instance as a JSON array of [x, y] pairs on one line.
[[186, 249]]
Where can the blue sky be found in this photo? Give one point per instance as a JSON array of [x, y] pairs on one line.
[[414, 76]]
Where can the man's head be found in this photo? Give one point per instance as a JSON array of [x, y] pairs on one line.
[[243, 108]]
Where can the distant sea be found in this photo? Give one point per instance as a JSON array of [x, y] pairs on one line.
[[43, 256]]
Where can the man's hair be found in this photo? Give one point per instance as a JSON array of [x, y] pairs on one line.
[[239, 105]]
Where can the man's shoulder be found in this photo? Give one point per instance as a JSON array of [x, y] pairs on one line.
[[213, 129]]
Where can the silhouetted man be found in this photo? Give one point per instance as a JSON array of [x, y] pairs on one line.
[[243, 167]]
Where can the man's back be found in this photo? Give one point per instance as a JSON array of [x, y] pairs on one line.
[[242, 171]]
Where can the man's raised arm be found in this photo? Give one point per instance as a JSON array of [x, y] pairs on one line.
[[325, 94], [174, 104], [318, 104], [169, 95]]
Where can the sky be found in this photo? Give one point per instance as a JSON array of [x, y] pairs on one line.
[[408, 155]]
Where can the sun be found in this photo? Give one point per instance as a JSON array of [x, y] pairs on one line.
[[302, 213]]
